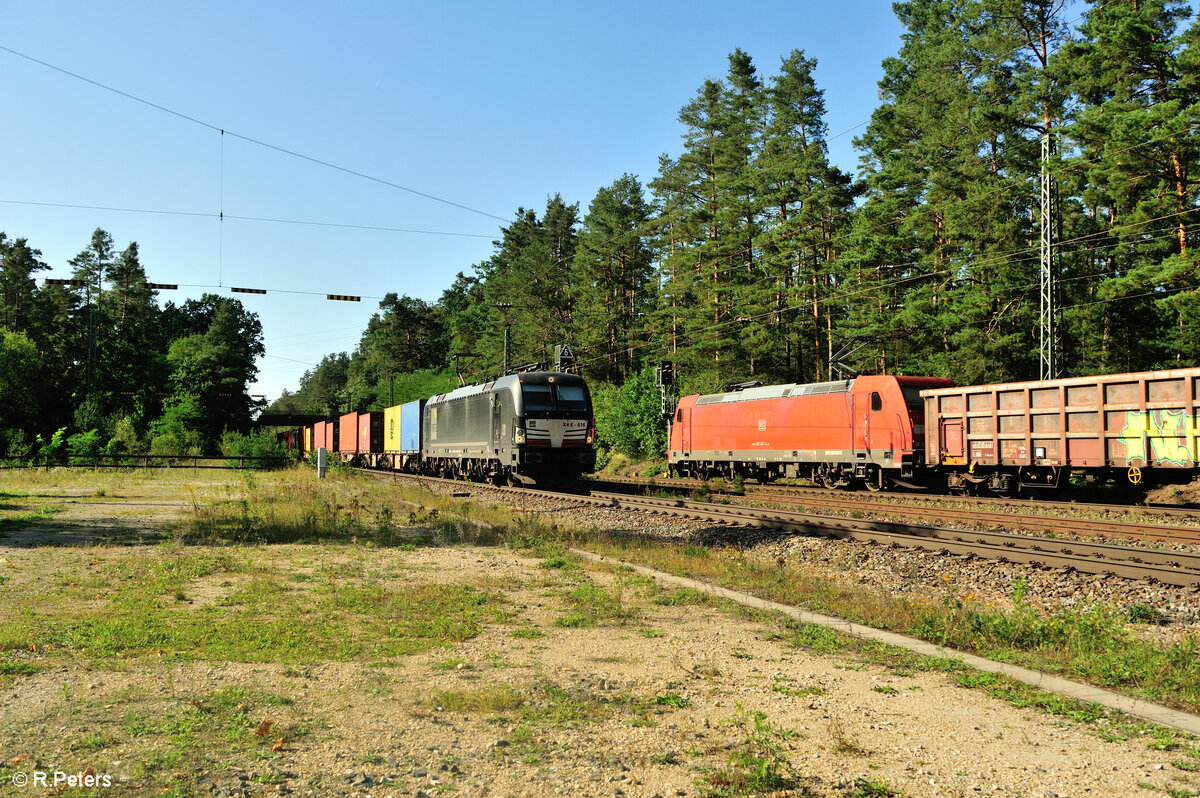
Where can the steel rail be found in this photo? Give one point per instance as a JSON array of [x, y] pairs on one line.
[[1166, 567], [1106, 527], [882, 497], [1037, 523]]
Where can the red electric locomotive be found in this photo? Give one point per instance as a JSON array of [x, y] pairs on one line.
[[870, 429]]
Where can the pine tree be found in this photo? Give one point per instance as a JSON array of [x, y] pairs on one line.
[[1138, 147], [613, 276], [952, 165], [527, 285], [132, 364], [18, 263], [407, 336], [709, 196], [805, 205]]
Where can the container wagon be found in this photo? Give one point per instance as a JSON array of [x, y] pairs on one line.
[[370, 438], [345, 442], [322, 436], [402, 436]]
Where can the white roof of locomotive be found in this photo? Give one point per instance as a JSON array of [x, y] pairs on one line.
[[777, 392]]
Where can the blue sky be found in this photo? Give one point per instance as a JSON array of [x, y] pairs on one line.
[[487, 106]]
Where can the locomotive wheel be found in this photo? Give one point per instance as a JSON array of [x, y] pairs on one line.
[[875, 482], [826, 478]]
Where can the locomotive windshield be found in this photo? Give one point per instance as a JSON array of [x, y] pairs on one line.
[[571, 397], [554, 398], [537, 398]]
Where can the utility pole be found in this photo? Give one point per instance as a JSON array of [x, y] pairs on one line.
[[93, 355], [1048, 362]]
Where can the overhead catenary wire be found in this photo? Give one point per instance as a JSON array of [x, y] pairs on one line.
[[250, 139], [710, 331], [268, 145], [237, 218]]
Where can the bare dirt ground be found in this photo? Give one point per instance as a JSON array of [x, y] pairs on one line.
[[668, 699], [1187, 493]]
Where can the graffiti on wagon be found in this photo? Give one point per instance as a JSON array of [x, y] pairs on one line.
[[1160, 437]]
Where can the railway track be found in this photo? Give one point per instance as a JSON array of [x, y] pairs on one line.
[[1120, 522], [1181, 568]]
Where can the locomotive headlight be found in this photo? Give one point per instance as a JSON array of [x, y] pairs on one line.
[[518, 434]]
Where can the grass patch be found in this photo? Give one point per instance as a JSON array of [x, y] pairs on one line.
[[494, 698], [799, 692], [267, 617], [872, 788], [17, 669], [758, 764], [672, 700], [174, 739], [592, 605], [685, 597], [15, 517], [289, 506], [527, 633]]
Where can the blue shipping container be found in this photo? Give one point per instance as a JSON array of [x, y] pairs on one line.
[[410, 426]]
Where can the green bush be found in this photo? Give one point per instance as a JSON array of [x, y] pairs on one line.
[[260, 444], [17, 447], [84, 447], [125, 438], [629, 416], [51, 451], [113, 452], [177, 443]]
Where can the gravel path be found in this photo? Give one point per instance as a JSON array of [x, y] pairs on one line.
[[622, 712]]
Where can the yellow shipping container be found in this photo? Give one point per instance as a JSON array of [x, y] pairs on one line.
[[391, 429]]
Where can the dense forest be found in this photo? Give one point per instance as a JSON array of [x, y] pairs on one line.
[[749, 256], [97, 366]]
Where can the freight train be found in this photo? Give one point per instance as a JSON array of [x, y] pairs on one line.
[[923, 432], [531, 427]]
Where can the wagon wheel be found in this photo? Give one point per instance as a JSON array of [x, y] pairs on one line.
[[1134, 474]]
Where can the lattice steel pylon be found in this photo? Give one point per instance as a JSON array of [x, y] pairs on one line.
[[1048, 361]]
